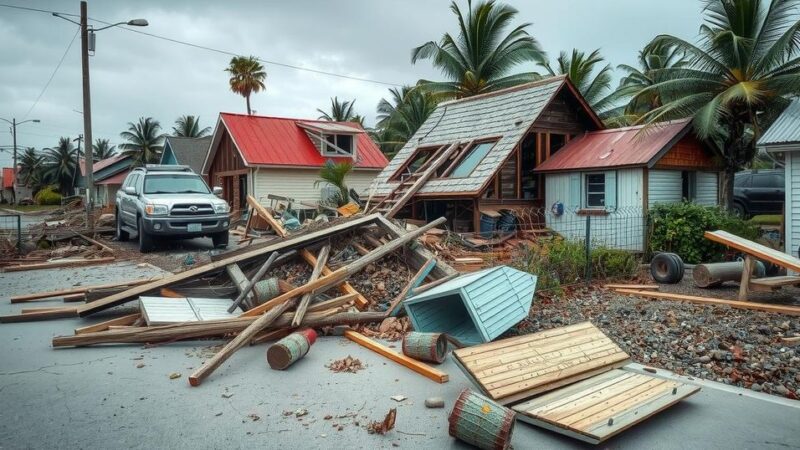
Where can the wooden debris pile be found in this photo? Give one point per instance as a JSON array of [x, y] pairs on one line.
[[68, 250]]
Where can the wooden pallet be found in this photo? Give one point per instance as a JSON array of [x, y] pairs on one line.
[[600, 407]]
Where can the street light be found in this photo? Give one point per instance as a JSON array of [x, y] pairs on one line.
[[87, 35], [14, 124]]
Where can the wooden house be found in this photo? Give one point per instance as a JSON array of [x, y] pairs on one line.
[[258, 155], [783, 140], [479, 153]]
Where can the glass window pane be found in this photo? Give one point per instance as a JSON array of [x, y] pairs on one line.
[[173, 184], [595, 190], [471, 161]]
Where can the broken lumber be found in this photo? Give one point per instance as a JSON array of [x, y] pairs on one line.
[[419, 367], [76, 290], [58, 264], [414, 282], [322, 260], [347, 288], [416, 255], [251, 283], [267, 216], [44, 315], [124, 320], [432, 284], [631, 286], [240, 280], [790, 310]]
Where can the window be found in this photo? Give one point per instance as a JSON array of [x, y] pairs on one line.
[[688, 185], [415, 162], [595, 190], [471, 160], [175, 184], [343, 141], [767, 181]]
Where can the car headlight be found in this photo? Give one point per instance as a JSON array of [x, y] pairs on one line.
[[156, 210], [221, 208]]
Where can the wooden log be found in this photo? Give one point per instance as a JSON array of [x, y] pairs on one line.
[[714, 274], [414, 282], [347, 288], [341, 274], [238, 342], [124, 320], [790, 310], [419, 367], [58, 264], [265, 214], [322, 260], [250, 283], [76, 290]]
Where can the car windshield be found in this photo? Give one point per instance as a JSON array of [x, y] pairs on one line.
[[175, 184]]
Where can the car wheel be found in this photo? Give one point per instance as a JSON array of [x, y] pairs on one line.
[[122, 235], [145, 240], [739, 210], [666, 268], [220, 239]]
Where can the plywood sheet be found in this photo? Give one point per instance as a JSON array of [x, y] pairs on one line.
[[517, 368], [164, 310], [597, 408]]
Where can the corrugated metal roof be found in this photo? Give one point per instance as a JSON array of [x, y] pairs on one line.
[[277, 141], [102, 164], [620, 147], [506, 114], [785, 129], [189, 151], [115, 179]]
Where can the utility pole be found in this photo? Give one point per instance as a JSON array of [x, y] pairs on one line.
[[87, 114]]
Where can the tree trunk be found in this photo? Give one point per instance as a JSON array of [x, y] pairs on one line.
[[726, 201], [247, 99]]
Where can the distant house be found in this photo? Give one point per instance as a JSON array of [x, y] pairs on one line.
[[629, 169], [109, 174], [258, 155], [783, 138], [7, 179], [185, 151]]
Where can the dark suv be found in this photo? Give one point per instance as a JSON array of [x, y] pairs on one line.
[[758, 192], [170, 201]]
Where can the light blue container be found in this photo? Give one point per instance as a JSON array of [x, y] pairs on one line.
[[476, 307]]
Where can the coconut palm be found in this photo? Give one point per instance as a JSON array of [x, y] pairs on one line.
[[102, 149], [586, 72], [30, 168], [247, 77], [144, 141], [401, 115], [61, 164], [480, 58], [189, 126], [737, 77], [340, 112], [334, 174]]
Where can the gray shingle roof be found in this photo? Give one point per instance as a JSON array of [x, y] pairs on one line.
[[190, 151], [785, 129], [506, 114]]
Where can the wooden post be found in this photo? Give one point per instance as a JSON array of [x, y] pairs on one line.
[[241, 282], [415, 281], [252, 283], [744, 284], [322, 259]]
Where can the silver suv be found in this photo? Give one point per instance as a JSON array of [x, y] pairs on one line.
[[170, 201]]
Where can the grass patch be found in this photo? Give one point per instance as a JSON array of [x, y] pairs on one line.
[[766, 219], [30, 208]]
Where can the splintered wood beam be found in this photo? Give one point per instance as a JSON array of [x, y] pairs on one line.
[[44, 315], [124, 320], [322, 259], [251, 283], [421, 368], [76, 290], [433, 284], [265, 214], [57, 264], [414, 282], [347, 288]]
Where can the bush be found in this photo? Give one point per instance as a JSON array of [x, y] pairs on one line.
[[48, 196], [679, 228]]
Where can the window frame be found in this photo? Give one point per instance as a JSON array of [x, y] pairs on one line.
[[465, 153], [586, 192], [335, 153], [397, 176]]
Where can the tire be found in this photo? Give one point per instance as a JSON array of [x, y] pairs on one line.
[[220, 239], [122, 235], [145, 240], [740, 211], [666, 268], [679, 262]]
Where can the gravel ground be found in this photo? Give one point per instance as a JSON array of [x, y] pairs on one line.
[[731, 346], [729, 290]]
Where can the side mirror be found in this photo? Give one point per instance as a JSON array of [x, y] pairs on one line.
[[217, 190], [130, 190]]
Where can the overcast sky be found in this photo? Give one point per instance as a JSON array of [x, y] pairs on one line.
[[135, 75]]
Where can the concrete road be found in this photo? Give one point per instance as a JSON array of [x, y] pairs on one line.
[[122, 397]]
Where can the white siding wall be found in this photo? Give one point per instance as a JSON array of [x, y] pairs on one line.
[[792, 211], [707, 190], [664, 186], [623, 229], [299, 183]]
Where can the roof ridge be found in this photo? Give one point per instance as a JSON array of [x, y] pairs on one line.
[[293, 119], [639, 127], [518, 87]]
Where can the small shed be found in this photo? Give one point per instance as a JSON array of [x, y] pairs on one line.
[[782, 139], [476, 307]]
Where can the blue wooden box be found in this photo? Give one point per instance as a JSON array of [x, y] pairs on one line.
[[476, 307]]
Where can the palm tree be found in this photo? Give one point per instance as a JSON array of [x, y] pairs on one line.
[[334, 174], [30, 168], [737, 78], [102, 149], [247, 77], [580, 68], [61, 165], [340, 112], [401, 116], [480, 58], [144, 141], [189, 126]]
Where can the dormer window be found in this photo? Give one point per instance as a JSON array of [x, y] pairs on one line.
[[338, 145], [333, 139]]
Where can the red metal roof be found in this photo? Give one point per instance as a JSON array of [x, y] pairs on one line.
[[102, 164], [282, 142], [8, 177], [619, 147], [115, 179]]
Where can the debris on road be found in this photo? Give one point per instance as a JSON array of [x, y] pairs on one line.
[[385, 425], [348, 364]]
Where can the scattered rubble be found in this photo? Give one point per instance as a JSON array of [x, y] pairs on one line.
[[385, 425], [348, 364]]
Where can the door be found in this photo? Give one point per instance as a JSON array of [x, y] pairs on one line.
[[127, 205]]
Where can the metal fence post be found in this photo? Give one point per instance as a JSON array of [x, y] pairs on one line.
[[588, 241], [19, 235]]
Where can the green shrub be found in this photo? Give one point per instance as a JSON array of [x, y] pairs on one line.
[[679, 228], [48, 196]]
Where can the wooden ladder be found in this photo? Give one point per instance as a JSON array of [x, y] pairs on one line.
[[400, 195]]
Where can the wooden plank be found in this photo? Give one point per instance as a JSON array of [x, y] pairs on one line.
[[790, 310], [755, 249], [414, 282], [216, 266], [251, 283], [44, 315], [75, 290], [420, 289], [124, 320], [346, 288], [265, 214], [421, 368], [747, 272], [631, 286], [322, 259], [416, 255], [775, 282], [58, 264]]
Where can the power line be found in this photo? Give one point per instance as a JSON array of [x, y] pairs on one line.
[[223, 52], [52, 75]]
